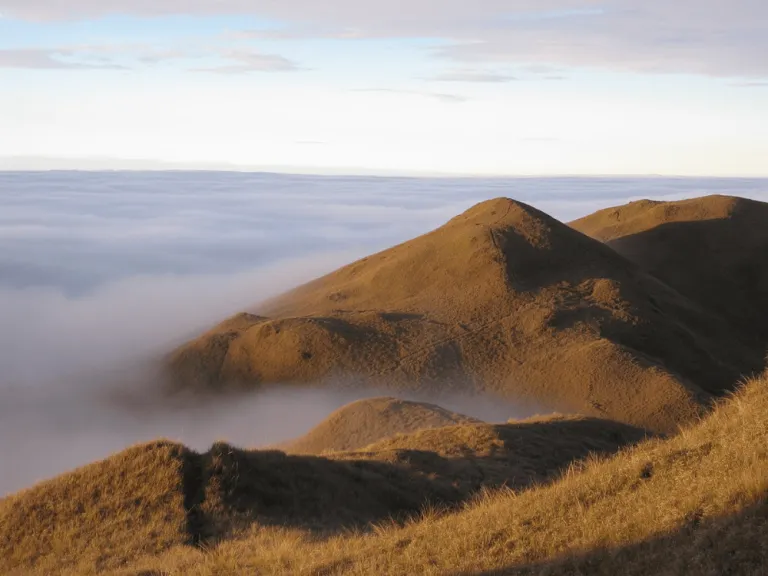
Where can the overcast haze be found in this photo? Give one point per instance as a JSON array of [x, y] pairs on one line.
[[432, 86]]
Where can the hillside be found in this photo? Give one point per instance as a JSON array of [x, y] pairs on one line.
[[712, 249], [161, 496], [502, 299], [364, 422], [696, 503]]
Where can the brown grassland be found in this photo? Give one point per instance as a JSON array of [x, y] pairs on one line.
[[502, 299], [648, 320], [711, 249], [364, 422], [694, 503], [87, 520]]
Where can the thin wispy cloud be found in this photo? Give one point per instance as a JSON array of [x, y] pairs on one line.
[[442, 96], [40, 59], [708, 37], [136, 56], [244, 62], [473, 76], [756, 84]]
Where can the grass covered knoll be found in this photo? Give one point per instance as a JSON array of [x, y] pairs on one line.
[[106, 512], [696, 503], [502, 299], [155, 497], [711, 249], [364, 422]]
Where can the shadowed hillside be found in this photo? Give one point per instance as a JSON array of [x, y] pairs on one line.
[[364, 422], [712, 249], [155, 497], [501, 299], [696, 503]]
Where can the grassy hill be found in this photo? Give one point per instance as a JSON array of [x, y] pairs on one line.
[[696, 503], [502, 299], [364, 422], [640, 323], [162, 496], [711, 249]]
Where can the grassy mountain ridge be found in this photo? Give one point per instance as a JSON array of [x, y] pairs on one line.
[[695, 503], [712, 249], [158, 496], [501, 299]]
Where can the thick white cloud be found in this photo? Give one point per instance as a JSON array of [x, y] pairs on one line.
[[713, 37]]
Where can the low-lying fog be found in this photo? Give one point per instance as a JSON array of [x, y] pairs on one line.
[[101, 271]]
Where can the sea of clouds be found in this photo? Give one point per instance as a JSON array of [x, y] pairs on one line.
[[101, 271]]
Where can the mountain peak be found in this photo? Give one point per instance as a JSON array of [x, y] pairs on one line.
[[502, 298]]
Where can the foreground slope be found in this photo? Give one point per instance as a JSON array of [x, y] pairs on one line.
[[364, 422], [504, 299], [712, 249], [159, 497], [696, 503]]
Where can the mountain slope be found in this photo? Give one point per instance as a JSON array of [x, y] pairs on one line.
[[504, 299], [160, 496], [712, 249], [696, 503]]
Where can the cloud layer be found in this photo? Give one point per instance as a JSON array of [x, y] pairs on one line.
[[710, 37], [101, 272]]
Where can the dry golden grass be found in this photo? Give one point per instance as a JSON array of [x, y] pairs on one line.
[[99, 516], [712, 249], [364, 422], [501, 295], [158, 496], [696, 503], [503, 299]]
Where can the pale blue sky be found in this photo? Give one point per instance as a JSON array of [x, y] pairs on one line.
[[450, 86]]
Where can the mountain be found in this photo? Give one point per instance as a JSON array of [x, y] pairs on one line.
[[502, 299], [364, 422], [713, 249]]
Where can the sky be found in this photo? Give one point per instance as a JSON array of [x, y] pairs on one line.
[[480, 87]]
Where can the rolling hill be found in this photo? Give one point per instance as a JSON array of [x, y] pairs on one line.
[[364, 422], [162, 496], [695, 503], [711, 249], [503, 299]]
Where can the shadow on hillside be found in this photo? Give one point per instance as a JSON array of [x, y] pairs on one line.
[[733, 544], [228, 489], [719, 264]]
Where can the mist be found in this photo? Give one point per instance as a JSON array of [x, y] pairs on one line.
[[102, 273]]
